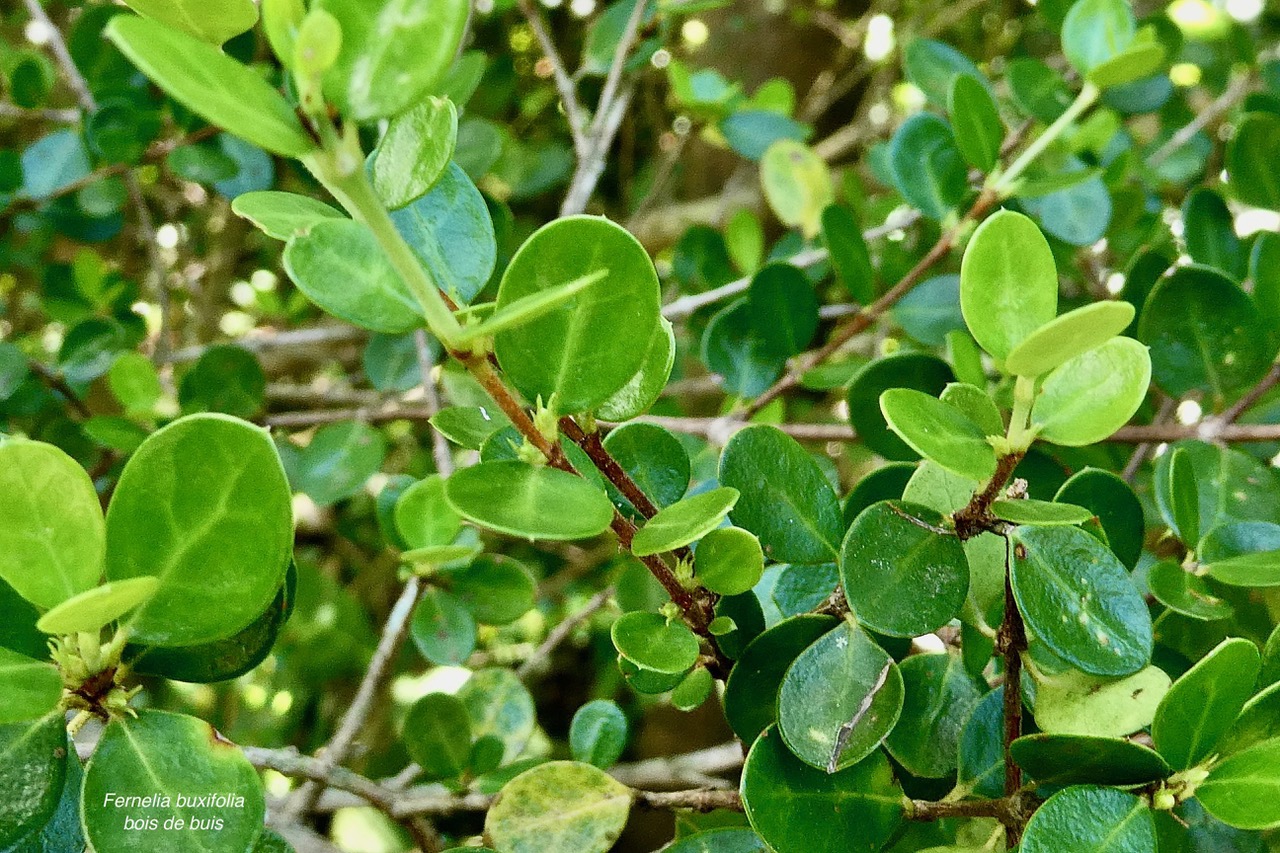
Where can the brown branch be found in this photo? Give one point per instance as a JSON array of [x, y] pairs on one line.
[[1011, 642], [1252, 396], [57, 382]]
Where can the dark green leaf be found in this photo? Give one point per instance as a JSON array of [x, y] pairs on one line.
[[33, 767], [1251, 157], [939, 697], [1204, 702], [750, 697], [437, 735], [928, 168], [1081, 759], [919, 371], [1088, 819], [975, 121]]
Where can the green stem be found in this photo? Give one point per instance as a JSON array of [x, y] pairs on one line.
[[1003, 183], [1019, 436], [351, 187]]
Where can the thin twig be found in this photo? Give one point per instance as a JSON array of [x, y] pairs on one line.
[[560, 75], [440, 450], [1234, 93], [1011, 642], [66, 116], [562, 632]]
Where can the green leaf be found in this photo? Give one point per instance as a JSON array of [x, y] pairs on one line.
[[785, 500], [839, 699], [1233, 487], [927, 166], [339, 460], [18, 630], [1204, 702], [891, 554], [134, 382], [225, 379], [797, 185], [784, 309], [559, 807], [1094, 394], [393, 52], [1089, 819], [974, 404], [415, 151], [1038, 90], [282, 215], [731, 348], [534, 503], [51, 544], [933, 66], [939, 432], [1095, 31], [653, 643], [797, 808], [598, 733], [1186, 593], [1137, 61], [1251, 157], [423, 516], [443, 628], [590, 347], [1184, 497], [1041, 513], [469, 426], [1065, 337], [204, 507], [939, 696], [981, 754], [211, 84], [692, 690], [170, 756], [33, 769], [1210, 232], [751, 693], [94, 609], [1205, 334], [731, 840], [842, 235], [1078, 599], [1259, 721], [326, 259], [644, 389], [500, 706], [496, 589], [1079, 704], [31, 688], [975, 120], [437, 735], [729, 561], [744, 238], [683, 522], [654, 459], [1008, 282], [1112, 500], [213, 21], [920, 371], [1242, 790], [1250, 570], [1055, 759]]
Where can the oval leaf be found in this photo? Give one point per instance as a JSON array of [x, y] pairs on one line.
[[536, 503]]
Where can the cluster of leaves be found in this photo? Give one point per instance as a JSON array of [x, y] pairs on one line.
[[876, 653]]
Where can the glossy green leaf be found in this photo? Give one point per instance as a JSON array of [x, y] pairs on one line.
[[976, 405], [784, 309], [329, 256], [655, 460], [693, 690], [437, 735], [1204, 702], [559, 807], [939, 432], [939, 696], [1184, 498], [892, 552], [731, 348], [1186, 593], [797, 809], [338, 461], [51, 544], [170, 756], [785, 499], [920, 371], [883, 484], [1056, 759], [500, 706], [1078, 599], [1233, 487], [469, 426], [1038, 90], [1094, 394], [535, 503], [225, 379], [282, 215], [1090, 819], [980, 767], [839, 699], [1251, 157], [927, 166], [975, 120], [415, 151], [598, 733], [1211, 235], [1040, 513], [1205, 334], [1113, 502], [684, 522], [496, 589], [1065, 337], [18, 630], [30, 688], [644, 389], [214, 21], [590, 347], [1008, 282], [393, 52], [1096, 31], [1241, 791], [423, 516], [750, 698], [443, 628], [1259, 721], [848, 251], [211, 84], [33, 768], [796, 184], [94, 609], [204, 507], [1079, 704], [653, 643], [729, 561], [730, 840]]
